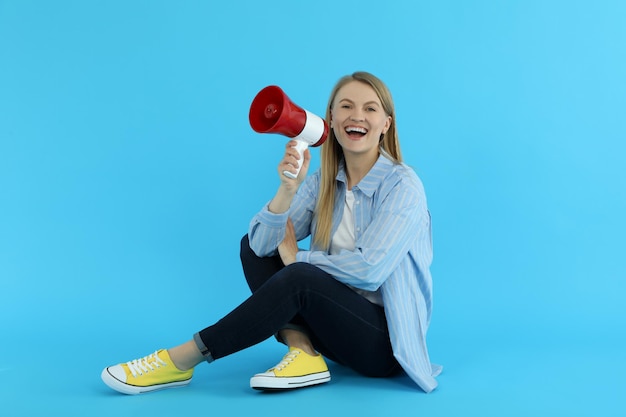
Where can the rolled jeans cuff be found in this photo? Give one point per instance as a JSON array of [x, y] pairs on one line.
[[202, 348]]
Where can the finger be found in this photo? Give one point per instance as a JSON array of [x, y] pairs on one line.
[[292, 155], [292, 159], [287, 167]]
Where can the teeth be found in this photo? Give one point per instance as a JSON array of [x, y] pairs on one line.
[[356, 129]]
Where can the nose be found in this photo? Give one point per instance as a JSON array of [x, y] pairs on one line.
[[357, 115]]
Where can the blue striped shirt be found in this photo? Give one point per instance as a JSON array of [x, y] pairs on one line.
[[393, 252]]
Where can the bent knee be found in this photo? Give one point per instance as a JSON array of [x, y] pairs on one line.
[[304, 270], [302, 274], [244, 244]]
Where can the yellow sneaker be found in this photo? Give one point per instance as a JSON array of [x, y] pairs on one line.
[[150, 373], [297, 369]]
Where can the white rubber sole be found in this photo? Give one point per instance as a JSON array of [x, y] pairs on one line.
[[125, 388], [268, 381]]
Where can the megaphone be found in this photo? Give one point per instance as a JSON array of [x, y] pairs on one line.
[[272, 111]]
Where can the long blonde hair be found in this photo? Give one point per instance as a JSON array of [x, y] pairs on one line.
[[331, 154]]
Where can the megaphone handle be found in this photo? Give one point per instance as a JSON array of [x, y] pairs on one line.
[[300, 147]]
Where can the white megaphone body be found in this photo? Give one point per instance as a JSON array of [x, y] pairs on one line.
[[272, 111]]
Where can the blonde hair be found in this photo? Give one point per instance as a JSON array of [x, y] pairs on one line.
[[331, 154]]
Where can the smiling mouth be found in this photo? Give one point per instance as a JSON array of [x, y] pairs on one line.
[[355, 132]]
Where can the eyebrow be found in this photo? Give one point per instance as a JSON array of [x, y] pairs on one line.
[[365, 104]]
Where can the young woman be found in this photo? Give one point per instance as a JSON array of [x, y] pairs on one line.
[[361, 296]]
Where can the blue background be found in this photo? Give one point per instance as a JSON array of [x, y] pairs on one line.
[[129, 172]]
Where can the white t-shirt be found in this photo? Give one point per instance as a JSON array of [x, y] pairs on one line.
[[344, 239]]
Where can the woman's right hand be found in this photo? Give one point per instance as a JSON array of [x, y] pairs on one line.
[[288, 186], [290, 163]]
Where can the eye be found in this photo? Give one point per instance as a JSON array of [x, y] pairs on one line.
[[345, 106], [370, 109]]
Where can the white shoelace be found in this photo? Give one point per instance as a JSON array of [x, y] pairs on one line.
[[287, 359], [145, 364]]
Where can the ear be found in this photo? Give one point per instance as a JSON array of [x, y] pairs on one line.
[[387, 125]]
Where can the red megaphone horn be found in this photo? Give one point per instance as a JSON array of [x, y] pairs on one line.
[[272, 111]]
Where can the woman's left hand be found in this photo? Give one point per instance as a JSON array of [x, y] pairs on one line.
[[289, 246]]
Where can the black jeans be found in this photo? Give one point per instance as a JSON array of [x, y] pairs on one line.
[[342, 325]]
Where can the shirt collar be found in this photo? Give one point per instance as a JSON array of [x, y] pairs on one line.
[[371, 182]]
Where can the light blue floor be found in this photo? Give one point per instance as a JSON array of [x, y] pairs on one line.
[[54, 370]]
